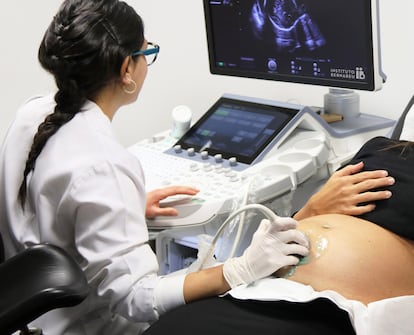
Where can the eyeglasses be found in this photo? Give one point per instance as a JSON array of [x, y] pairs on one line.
[[150, 53]]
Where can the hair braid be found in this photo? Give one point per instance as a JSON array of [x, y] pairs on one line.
[[68, 103]]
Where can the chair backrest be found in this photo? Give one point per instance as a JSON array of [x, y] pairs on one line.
[[396, 133], [41, 278]]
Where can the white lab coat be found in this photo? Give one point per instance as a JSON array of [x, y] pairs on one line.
[[86, 195]]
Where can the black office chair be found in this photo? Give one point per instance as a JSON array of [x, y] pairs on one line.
[[39, 279]]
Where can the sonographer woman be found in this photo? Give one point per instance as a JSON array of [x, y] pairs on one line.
[[67, 181]]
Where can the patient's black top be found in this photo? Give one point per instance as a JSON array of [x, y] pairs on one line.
[[397, 213]]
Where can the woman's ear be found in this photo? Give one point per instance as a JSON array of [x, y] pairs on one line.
[[126, 71]]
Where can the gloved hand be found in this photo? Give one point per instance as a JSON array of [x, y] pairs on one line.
[[272, 247]]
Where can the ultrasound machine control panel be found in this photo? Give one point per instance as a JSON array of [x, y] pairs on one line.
[[238, 140], [258, 150]]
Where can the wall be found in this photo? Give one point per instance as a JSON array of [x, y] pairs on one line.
[[181, 75]]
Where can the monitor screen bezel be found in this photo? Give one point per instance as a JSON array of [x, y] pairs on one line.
[[375, 77]]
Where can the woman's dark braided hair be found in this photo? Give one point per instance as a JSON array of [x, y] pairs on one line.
[[83, 48]]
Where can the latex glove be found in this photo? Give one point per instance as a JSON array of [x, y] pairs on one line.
[[273, 246]]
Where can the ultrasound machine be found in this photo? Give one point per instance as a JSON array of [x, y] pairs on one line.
[[247, 150]]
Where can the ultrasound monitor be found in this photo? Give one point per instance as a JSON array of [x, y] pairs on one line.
[[331, 43]]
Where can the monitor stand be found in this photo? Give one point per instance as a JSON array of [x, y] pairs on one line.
[[345, 103]]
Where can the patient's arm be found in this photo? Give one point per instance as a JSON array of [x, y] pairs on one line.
[[348, 191]]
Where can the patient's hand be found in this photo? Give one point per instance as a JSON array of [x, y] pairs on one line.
[[348, 191], [154, 197]]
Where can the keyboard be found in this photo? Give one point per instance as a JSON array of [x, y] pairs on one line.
[[222, 187]]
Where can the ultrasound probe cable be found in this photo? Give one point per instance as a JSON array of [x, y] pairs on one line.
[[242, 218], [268, 213]]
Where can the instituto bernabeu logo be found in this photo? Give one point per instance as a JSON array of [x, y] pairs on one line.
[[357, 73]]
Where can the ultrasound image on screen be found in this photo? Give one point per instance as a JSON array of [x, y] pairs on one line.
[[288, 23]]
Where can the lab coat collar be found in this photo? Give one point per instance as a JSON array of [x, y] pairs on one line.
[[95, 116]]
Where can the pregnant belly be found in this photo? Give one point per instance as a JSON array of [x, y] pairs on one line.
[[355, 258]]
